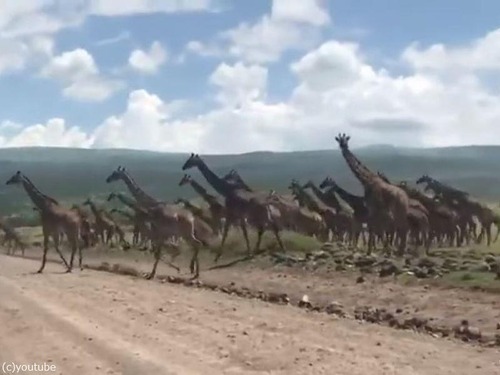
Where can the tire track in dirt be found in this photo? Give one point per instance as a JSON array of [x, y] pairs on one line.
[[136, 326]]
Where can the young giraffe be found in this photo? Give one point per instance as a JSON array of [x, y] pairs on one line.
[[344, 220], [140, 219], [217, 208], [168, 222], [87, 231], [11, 239], [356, 202], [55, 219], [105, 227]]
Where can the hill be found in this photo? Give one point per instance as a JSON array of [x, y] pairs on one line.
[[71, 175]]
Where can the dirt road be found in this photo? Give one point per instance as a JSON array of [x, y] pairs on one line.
[[98, 323]]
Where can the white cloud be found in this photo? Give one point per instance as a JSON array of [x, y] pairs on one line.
[[338, 90], [290, 25], [304, 11], [54, 133], [124, 35], [482, 54], [199, 48], [110, 8], [333, 64], [25, 17], [21, 20], [79, 74], [239, 84], [148, 62]]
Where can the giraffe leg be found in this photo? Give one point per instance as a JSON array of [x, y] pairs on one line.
[[276, 232], [245, 235], [56, 237], [260, 232], [194, 265], [157, 256], [45, 249], [224, 237]]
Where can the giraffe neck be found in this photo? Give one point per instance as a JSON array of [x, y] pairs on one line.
[[36, 196], [127, 201], [137, 192], [209, 198], [355, 201], [220, 186], [95, 211], [415, 194], [191, 207], [307, 200], [362, 173], [328, 198]]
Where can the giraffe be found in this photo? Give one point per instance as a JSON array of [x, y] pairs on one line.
[[328, 214], [200, 213], [418, 218], [168, 222], [345, 222], [356, 202], [142, 228], [241, 205], [382, 199], [140, 232], [11, 238], [455, 199], [297, 218], [467, 207], [140, 195], [87, 230], [288, 219], [217, 209], [442, 219], [55, 219], [233, 177], [105, 227]]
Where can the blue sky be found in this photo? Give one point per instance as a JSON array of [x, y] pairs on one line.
[[269, 74]]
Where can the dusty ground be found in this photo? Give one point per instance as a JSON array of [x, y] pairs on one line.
[[441, 306], [94, 322]]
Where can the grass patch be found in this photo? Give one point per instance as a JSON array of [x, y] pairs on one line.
[[472, 279]]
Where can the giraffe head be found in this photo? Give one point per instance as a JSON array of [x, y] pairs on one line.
[[193, 161], [343, 141], [16, 179], [118, 174], [186, 179], [234, 179], [308, 184], [294, 185], [425, 179], [328, 182]]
